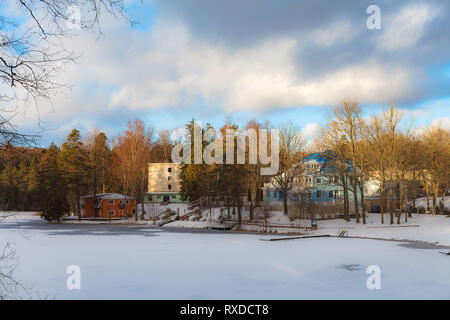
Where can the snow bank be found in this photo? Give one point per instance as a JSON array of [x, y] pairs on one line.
[[422, 202]]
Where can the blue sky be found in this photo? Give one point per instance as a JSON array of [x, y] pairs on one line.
[[255, 59]]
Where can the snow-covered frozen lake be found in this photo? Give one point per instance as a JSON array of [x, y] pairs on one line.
[[139, 262]]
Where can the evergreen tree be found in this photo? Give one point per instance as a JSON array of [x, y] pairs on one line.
[[52, 187], [9, 180], [99, 162], [32, 183], [73, 165]]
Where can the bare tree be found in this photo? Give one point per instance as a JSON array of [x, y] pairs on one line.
[[9, 287], [291, 146], [332, 139], [437, 163], [346, 121], [32, 53], [132, 151]]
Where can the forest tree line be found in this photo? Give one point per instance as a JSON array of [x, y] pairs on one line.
[[51, 180], [384, 147]]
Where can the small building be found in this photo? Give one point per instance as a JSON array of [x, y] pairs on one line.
[[319, 180], [107, 205], [163, 183]]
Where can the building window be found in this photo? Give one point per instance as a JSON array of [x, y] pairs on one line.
[[158, 196], [330, 194], [121, 201], [127, 201], [267, 194], [111, 212], [111, 202], [319, 180], [319, 194], [169, 169], [173, 196], [169, 187], [309, 194], [149, 198], [169, 178]]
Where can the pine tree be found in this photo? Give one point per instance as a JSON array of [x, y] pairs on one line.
[[32, 182], [73, 165], [23, 185], [52, 187], [9, 179], [99, 159]]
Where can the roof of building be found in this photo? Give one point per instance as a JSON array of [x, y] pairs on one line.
[[161, 192], [107, 196], [326, 158]]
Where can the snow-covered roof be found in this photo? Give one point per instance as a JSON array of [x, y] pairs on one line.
[[325, 158], [108, 196], [162, 192]]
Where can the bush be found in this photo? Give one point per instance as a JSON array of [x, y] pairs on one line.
[[440, 208]]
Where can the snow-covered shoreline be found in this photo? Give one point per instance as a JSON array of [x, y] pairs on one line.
[[145, 262]]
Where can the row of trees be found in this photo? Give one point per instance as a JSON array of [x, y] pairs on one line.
[[390, 152], [227, 183], [52, 180], [380, 148]]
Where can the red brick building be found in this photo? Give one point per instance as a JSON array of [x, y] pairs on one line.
[[107, 205]]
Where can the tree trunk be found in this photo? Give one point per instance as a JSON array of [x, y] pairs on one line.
[[406, 203], [435, 196], [252, 196], [391, 202], [382, 200], [285, 202], [363, 205], [345, 189], [79, 204], [346, 204], [238, 203], [414, 190], [400, 209], [355, 198]]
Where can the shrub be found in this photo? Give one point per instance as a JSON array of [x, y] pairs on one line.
[[440, 208]]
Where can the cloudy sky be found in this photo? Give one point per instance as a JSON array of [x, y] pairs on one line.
[[264, 59]]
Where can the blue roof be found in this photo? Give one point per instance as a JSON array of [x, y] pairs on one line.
[[325, 157]]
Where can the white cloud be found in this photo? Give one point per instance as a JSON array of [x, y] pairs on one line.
[[167, 67], [310, 131], [177, 70], [442, 122], [340, 31], [406, 27]]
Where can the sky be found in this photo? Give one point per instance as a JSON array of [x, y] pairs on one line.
[[255, 59]]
